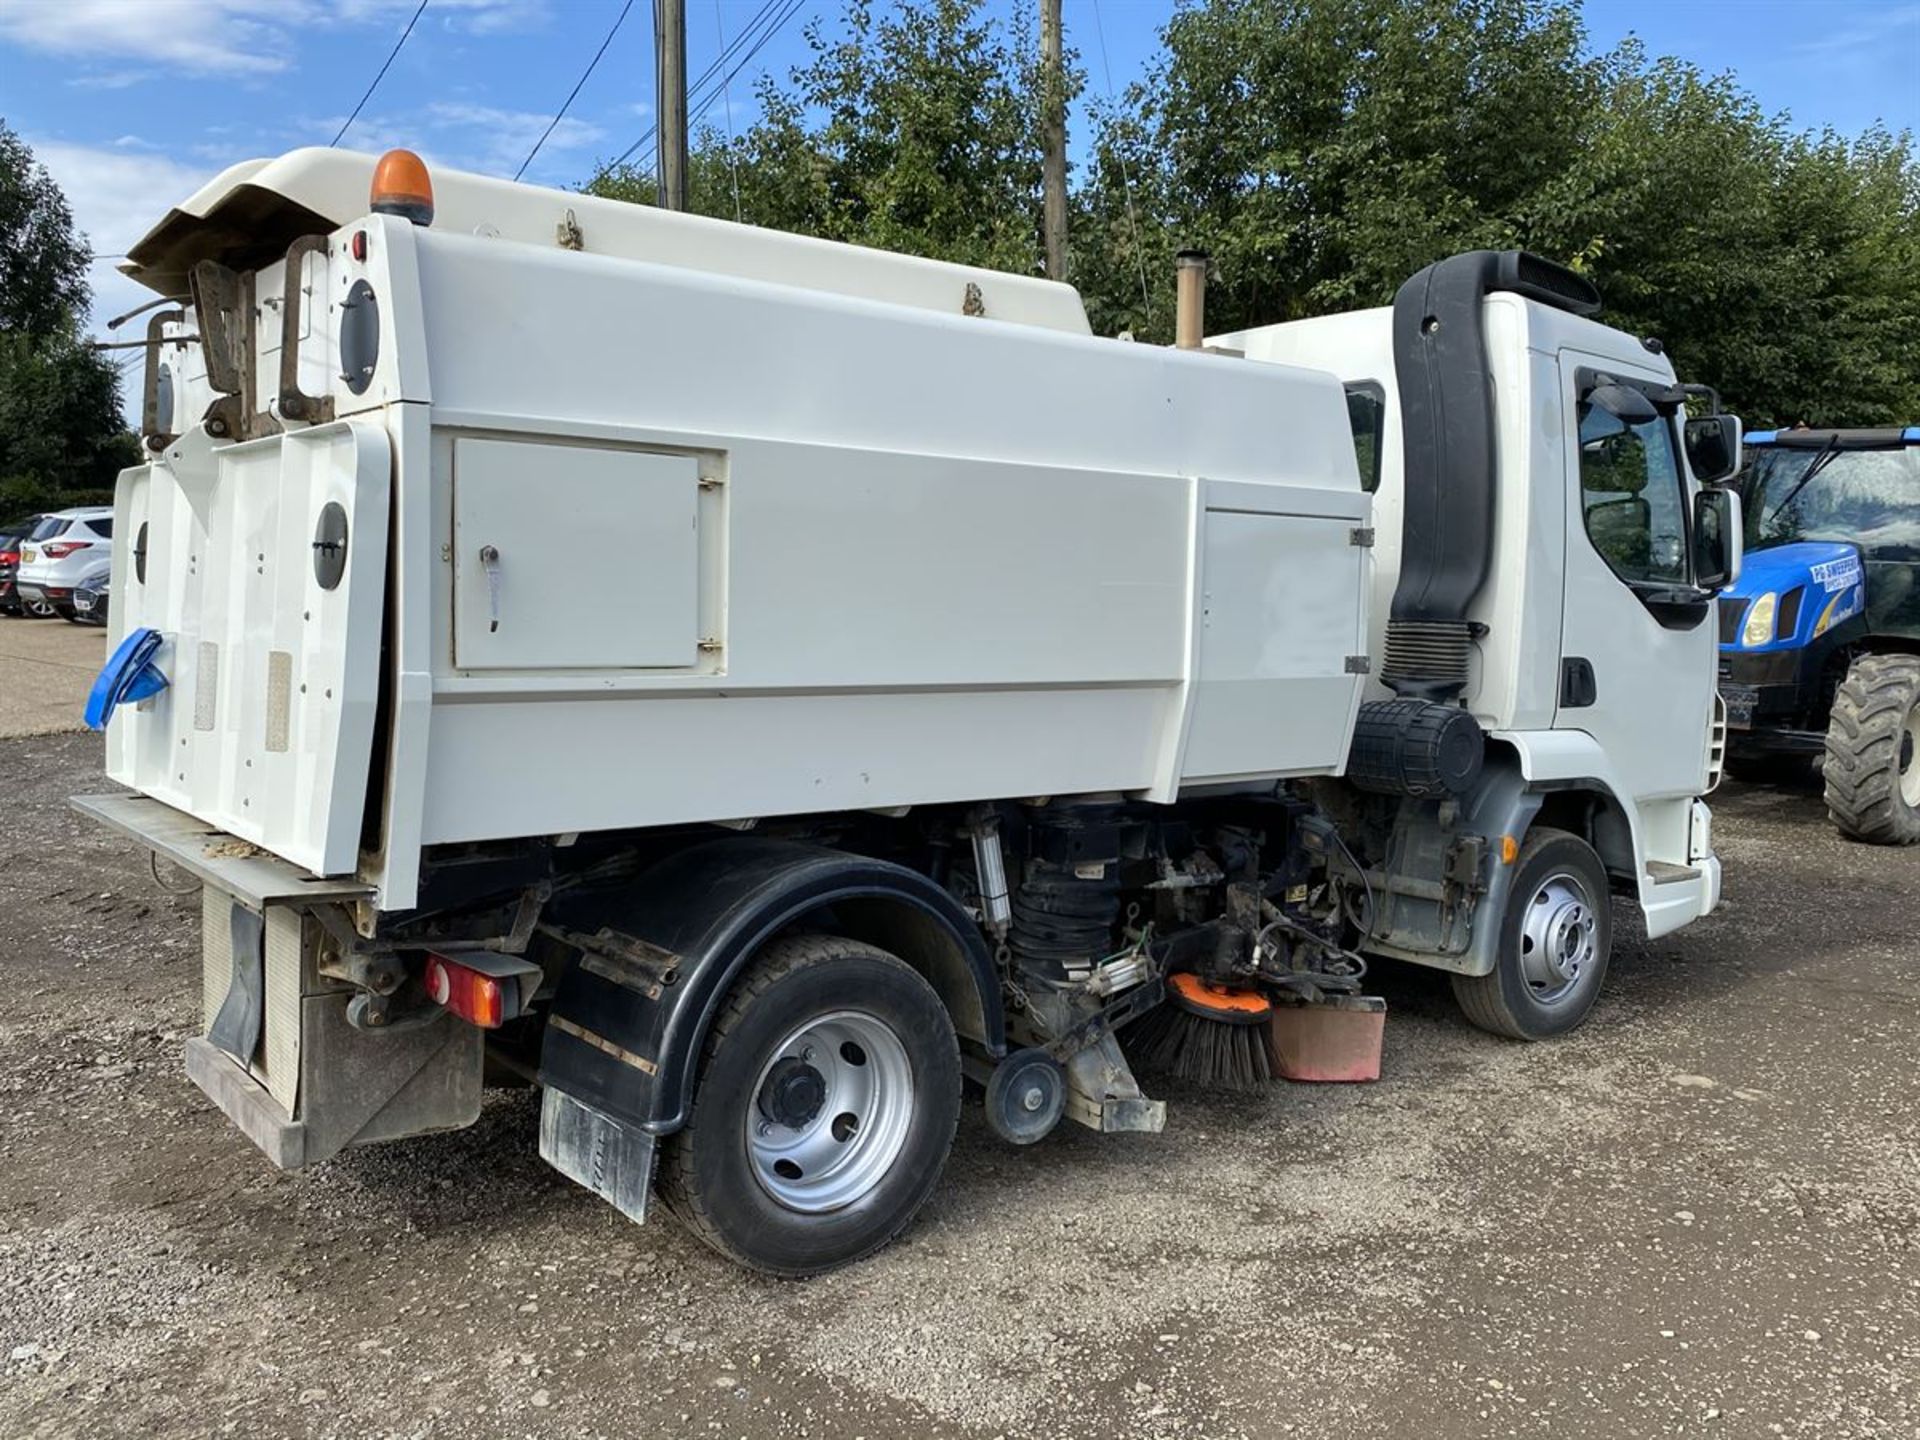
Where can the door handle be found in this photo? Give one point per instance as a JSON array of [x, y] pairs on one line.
[[490, 561]]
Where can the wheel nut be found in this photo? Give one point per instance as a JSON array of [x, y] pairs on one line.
[[1033, 1099]]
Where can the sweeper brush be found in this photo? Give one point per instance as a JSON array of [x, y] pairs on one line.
[[1213, 1034]]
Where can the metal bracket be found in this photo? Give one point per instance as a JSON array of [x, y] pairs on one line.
[[1359, 665], [1361, 536], [295, 403]]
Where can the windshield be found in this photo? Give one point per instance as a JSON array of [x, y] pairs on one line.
[[1869, 498]]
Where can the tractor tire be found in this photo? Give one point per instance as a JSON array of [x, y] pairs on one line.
[[828, 1094], [1555, 940], [1873, 752]]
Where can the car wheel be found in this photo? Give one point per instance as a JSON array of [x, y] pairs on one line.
[[41, 609], [826, 1103], [1555, 940]]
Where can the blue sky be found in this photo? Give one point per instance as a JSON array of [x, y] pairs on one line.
[[133, 104]]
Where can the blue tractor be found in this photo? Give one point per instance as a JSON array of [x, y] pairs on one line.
[[1820, 640]]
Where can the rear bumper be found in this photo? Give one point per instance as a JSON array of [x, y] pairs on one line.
[[245, 872], [245, 1101]]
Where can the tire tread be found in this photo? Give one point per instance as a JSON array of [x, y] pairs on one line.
[[673, 1177], [1870, 712]]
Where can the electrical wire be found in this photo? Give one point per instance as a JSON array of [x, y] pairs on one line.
[[768, 21], [573, 94], [774, 29], [733, 159], [1126, 180], [751, 27], [391, 55]]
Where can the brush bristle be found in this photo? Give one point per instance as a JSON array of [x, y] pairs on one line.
[[1208, 1052]]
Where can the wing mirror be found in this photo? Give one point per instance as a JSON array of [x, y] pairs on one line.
[[1717, 539], [1713, 447]]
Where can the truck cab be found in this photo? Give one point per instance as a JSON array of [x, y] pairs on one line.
[[1610, 536], [1820, 639]]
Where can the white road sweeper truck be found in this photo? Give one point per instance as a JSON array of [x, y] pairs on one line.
[[748, 686]]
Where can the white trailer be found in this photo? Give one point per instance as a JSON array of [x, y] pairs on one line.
[[742, 683]]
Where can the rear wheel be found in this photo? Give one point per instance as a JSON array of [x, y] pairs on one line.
[[1873, 751], [1555, 939], [827, 1100]]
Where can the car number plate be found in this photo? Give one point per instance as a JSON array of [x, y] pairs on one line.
[[1740, 701], [27, 557]]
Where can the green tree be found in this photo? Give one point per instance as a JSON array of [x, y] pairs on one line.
[[43, 264], [914, 129], [1324, 150], [60, 425]]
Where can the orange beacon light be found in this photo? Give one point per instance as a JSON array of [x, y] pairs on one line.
[[401, 186]]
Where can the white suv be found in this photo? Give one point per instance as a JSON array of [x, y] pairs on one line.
[[65, 548]]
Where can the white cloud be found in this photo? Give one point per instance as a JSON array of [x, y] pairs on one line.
[[117, 195], [199, 37], [234, 38]]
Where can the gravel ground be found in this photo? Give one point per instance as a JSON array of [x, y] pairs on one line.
[[1697, 1216], [46, 669]]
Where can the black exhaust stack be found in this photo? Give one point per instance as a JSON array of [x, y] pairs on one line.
[[1450, 472]]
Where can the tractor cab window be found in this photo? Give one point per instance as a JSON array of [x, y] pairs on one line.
[[1632, 495], [1869, 498]]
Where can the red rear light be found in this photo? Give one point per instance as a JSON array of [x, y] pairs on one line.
[[60, 549], [467, 993], [9, 557]]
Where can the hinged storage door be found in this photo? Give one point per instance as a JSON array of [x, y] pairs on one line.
[[573, 557], [264, 566]]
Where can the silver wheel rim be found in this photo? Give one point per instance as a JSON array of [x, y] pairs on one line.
[[1559, 937], [814, 1157], [1909, 759]]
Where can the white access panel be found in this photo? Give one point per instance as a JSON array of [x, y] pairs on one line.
[[1281, 602], [265, 729], [572, 557]]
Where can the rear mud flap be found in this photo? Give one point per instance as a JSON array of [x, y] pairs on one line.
[[236, 1029], [612, 1159]]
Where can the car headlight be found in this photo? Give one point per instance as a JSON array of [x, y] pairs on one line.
[[1759, 627]]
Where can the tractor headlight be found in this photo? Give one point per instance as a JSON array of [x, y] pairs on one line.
[[1759, 627]]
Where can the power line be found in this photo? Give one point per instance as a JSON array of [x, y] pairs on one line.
[[793, 9], [391, 54], [705, 76], [767, 22], [1126, 182], [573, 93], [733, 160]]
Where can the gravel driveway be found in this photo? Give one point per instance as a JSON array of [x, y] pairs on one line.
[[46, 669], [1697, 1216]]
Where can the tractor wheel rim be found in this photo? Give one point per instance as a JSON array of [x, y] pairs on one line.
[[1559, 937], [830, 1112], [1909, 761]]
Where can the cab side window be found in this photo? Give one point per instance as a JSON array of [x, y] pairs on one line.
[[1631, 493], [1367, 415]]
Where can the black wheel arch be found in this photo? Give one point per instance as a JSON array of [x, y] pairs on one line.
[[619, 1040]]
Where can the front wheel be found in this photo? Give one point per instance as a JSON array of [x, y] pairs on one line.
[[1873, 751], [1555, 939], [826, 1104]]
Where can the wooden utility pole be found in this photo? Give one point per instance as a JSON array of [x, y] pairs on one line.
[[670, 98], [1053, 122]]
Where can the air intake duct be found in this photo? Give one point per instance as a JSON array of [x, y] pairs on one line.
[[1446, 411], [1416, 748]]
